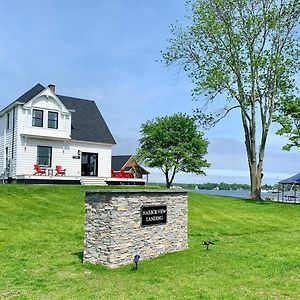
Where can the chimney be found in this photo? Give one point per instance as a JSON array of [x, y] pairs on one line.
[[52, 87]]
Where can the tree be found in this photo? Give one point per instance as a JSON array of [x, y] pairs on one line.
[[288, 116], [243, 52], [173, 144]]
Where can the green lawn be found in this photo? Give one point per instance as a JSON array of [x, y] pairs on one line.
[[256, 256]]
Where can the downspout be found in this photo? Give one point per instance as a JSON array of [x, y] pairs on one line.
[[12, 165], [13, 134], [4, 146]]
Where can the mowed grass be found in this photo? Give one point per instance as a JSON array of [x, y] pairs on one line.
[[256, 253]]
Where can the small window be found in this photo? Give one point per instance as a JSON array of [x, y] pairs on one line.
[[37, 118], [44, 156], [7, 121], [52, 119]]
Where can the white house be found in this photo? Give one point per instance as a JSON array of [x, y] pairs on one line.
[[50, 130]]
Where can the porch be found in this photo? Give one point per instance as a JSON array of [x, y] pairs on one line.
[[83, 180], [48, 179]]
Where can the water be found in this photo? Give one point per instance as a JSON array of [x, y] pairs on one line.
[[236, 193]]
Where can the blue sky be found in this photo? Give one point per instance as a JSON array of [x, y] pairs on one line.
[[108, 51]]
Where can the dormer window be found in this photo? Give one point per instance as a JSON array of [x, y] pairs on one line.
[[37, 118], [52, 119]]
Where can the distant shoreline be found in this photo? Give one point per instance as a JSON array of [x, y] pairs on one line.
[[233, 193], [215, 186]]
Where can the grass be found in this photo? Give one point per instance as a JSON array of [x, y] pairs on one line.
[[256, 253]]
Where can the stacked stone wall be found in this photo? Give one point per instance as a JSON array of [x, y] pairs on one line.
[[114, 233]]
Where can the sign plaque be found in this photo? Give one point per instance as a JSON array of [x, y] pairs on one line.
[[153, 215]]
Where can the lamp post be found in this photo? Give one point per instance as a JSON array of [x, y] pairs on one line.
[[136, 260]]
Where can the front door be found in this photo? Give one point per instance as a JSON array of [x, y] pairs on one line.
[[89, 164]]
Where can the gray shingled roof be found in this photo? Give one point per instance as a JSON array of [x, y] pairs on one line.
[[87, 121], [118, 161], [27, 96]]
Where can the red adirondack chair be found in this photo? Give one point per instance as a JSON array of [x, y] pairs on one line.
[[121, 174], [60, 171], [125, 174], [39, 170], [113, 174]]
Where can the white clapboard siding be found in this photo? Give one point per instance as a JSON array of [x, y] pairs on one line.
[[8, 138], [2, 147], [62, 154]]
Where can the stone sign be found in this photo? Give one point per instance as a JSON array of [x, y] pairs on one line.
[[153, 215], [117, 225]]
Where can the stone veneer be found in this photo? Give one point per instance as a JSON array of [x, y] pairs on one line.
[[113, 231]]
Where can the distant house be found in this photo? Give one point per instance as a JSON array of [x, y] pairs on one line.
[[44, 129], [125, 167]]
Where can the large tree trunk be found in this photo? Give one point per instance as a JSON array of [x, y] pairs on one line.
[[255, 176], [255, 162], [256, 165]]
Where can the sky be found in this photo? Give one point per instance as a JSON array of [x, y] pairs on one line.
[[110, 51]]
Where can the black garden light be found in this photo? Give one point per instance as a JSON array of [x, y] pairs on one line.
[[207, 243], [136, 260]]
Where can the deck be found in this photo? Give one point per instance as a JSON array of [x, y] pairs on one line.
[[45, 179], [83, 180]]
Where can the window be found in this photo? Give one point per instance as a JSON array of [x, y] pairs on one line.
[[52, 119], [44, 156], [7, 121], [37, 118]]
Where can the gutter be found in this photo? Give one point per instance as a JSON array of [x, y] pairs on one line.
[[10, 107]]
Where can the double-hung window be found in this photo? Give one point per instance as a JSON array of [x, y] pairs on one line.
[[44, 156], [37, 118], [52, 119]]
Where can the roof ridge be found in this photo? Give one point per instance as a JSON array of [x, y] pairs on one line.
[[75, 98], [28, 91]]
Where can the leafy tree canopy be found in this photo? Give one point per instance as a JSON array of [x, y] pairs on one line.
[[246, 52], [288, 116], [173, 144]]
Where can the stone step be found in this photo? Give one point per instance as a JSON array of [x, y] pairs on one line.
[[93, 181]]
